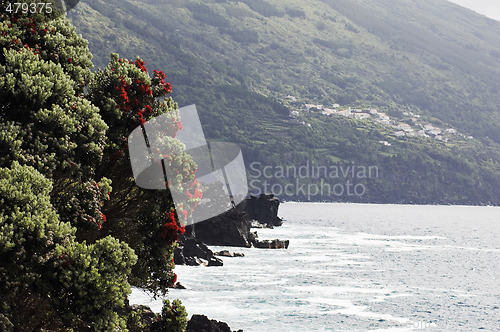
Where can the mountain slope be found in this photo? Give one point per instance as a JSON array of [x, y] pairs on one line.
[[238, 60]]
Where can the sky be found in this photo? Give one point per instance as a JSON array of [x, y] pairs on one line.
[[490, 8]]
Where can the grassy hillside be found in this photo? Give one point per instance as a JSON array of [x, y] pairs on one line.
[[238, 60]]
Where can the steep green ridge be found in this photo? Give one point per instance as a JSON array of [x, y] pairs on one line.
[[238, 60]]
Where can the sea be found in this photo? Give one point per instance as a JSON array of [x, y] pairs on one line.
[[356, 267]]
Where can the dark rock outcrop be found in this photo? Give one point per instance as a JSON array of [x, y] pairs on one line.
[[227, 253], [193, 252], [228, 229], [263, 209], [232, 228], [178, 285], [146, 317], [201, 323], [272, 244]]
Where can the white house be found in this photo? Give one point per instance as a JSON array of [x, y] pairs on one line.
[[361, 116], [435, 132], [405, 127], [309, 106], [451, 131], [384, 122], [383, 116], [328, 111], [421, 133], [344, 112], [399, 134]]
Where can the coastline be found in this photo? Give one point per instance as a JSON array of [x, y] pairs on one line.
[[354, 267], [231, 230]]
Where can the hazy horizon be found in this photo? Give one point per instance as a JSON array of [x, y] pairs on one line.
[[490, 8]]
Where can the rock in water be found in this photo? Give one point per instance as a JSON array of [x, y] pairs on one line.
[[193, 252], [227, 253], [263, 209], [178, 285], [228, 229], [233, 228], [201, 323], [272, 244]]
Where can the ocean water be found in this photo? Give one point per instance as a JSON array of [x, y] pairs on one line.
[[353, 267]]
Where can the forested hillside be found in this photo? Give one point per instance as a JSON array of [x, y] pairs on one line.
[[239, 60]]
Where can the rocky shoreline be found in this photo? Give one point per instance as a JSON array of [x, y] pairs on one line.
[[233, 228], [201, 323]]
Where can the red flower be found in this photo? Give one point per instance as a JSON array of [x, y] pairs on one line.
[[171, 216], [103, 217], [197, 193], [167, 88], [140, 65], [161, 75], [70, 60], [144, 89], [169, 232]]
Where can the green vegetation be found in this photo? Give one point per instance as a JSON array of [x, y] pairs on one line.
[[75, 230], [238, 60]]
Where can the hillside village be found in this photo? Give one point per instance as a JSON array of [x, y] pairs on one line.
[[411, 125]]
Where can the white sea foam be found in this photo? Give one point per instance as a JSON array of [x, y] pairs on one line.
[[359, 268]]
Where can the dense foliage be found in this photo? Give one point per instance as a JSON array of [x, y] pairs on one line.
[[48, 279], [433, 58], [75, 230]]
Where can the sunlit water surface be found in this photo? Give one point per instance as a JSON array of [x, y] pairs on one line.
[[354, 267]]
